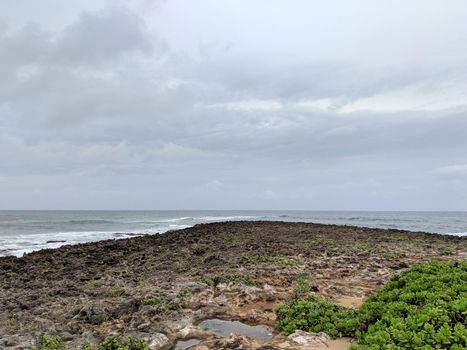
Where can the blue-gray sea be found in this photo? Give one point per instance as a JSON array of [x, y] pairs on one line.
[[25, 231]]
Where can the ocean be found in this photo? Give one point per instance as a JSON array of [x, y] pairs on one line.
[[26, 231]]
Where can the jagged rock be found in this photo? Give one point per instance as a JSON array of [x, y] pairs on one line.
[[158, 341], [193, 332], [270, 293], [17, 342], [233, 342], [309, 339], [144, 326]]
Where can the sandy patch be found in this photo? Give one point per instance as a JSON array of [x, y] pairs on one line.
[[350, 302]]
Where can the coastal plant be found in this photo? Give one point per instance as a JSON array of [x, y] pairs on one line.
[[129, 343], [109, 343], [97, 319], [447, 251], [283, 261], [163, 302], [87, 346], [392, 256], [255, 258], [425, 307], [91, 284], [152, 301], [316, 315], [329, 243], [114, 343], [50, 343], [114, 292], [364, 248], [302, 283], [182, 295], [140, 344]]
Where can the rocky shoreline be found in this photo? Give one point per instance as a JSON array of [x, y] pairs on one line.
[[161, 287]]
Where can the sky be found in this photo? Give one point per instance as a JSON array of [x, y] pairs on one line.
[[233, 104]]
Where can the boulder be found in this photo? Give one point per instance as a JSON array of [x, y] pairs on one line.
[[158, 341], [309, 339]]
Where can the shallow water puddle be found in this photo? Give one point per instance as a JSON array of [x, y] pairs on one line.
[[224, 328], [186, 344]]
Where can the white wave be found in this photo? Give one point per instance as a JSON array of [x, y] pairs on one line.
[[184, 218], [163, 229], [26, 243], [158, 220], [460, 234], [20, 244], [223, 218]]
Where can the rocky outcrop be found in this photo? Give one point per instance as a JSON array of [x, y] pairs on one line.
[[160, 287]]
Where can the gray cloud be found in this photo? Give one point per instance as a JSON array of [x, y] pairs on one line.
[[102, 37], [103, 113]]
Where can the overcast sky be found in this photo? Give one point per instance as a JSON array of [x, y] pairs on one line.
[[233, 104]]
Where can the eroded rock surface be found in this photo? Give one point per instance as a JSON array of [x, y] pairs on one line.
[[161, 287]]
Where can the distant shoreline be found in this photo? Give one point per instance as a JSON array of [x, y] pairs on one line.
[[129, 235], [23, 232]]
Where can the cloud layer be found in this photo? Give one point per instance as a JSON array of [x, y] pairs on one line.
[[118, 110]]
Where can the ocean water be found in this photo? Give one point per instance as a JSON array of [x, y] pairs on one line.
[[25, 231]]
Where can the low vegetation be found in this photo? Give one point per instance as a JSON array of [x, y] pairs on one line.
[[109, 343], [425, 307], [50, 343], [160, 301], [302, 283], [316, 315], [182, 295]]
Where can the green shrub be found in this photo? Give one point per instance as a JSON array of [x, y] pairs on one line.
[[423, 308], [160, 301], [114, 343], [152, 301], [256, 258], [50, 343], [183, 295], [302, 283], [114, 292], [140, 344], [109, 343], [283, 261], [316, 315], [97, 319], [87, 346]]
